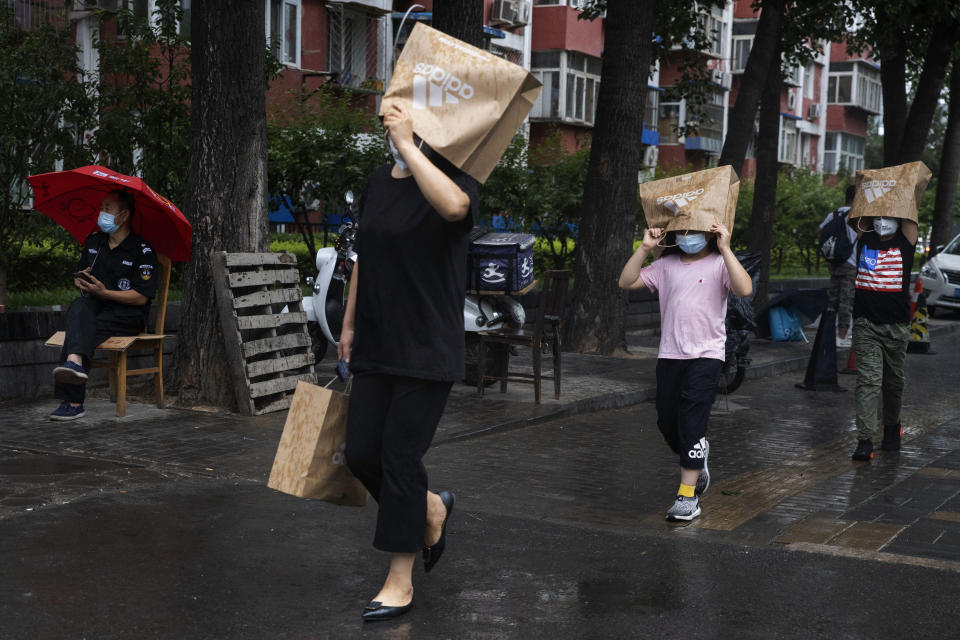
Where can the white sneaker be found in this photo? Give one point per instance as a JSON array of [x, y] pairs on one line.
[[684, 509]]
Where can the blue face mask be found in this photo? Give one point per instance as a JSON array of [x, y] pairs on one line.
[[107, 222], [397, 158], [692, 242]]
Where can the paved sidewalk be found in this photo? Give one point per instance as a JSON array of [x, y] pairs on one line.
[[218, 443], [159, 524]]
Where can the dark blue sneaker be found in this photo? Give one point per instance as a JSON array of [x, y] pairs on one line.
[[70, 373], [67, 412]]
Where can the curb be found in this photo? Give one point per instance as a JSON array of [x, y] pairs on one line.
[[593, 404], [609, 401]]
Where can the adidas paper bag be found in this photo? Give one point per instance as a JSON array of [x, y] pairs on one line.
[[467, 104], [693, 201], [891, 192], [310, 460]]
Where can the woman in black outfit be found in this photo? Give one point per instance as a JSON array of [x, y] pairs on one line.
[[403, 337]]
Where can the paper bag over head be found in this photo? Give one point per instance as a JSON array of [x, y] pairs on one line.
[[891, 192], [693, 201], [466, 103]]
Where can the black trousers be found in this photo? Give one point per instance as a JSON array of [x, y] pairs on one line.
[[90, 322], [685, 393], [390, 426]]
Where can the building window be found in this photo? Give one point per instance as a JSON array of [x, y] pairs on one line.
[[651, 111], [576, 4], [710, 124], [788, 141], [283, 30], [741, 52], [792, 74], [148, 9], [859, 87], [571, 83], [354, 56], [843, 153], [715, 30], [669, 122], [808, 76]]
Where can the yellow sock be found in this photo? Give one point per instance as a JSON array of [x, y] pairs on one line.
[[686, 490]]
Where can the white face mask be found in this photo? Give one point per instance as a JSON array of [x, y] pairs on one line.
[[885, 226], [396, 154]]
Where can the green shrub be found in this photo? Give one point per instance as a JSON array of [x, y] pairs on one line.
[[44, 267], [306, 263]]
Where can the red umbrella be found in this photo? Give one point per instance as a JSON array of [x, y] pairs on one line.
[[72, 200]]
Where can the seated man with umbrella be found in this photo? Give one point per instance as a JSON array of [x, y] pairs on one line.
[[118, 274], [116, 278]]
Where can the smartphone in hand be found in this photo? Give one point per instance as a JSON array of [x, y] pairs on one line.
[[343, 369], [83, 275]]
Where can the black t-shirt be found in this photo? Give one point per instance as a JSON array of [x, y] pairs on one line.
[[883, 279], [129, 265], [412, 281]]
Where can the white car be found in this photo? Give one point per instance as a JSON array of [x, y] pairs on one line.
[[941, 278]]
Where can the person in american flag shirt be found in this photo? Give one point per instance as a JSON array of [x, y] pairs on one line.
[[881, 326]]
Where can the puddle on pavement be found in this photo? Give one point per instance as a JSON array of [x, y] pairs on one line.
[[31, 464], [32, 480]]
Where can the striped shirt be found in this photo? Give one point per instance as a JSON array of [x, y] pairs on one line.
[[880, 270], [883, 279]]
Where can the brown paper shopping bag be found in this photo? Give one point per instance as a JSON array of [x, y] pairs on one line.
[[310, 460], [693, 201], [891, 192], [466, 103]]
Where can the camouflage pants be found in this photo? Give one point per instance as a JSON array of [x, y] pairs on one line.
[[881, 350], [842, 279]]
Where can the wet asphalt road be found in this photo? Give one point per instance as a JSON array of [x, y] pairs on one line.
[[558, 533]]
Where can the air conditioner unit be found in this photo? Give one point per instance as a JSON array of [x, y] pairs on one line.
[[505, 13], [814, 112], [718, 77], [791, 100], [650, 156], [102, 5], [524, 7]]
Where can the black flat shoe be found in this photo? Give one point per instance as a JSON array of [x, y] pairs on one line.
[[431, 555], [375, 611]]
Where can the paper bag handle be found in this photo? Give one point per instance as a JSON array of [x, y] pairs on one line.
[[346, 390]]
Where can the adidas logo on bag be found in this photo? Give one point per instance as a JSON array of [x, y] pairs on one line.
[[874, 189], [432, 86], [678, 201]]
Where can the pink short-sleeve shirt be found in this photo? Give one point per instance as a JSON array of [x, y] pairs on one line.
[[693, 305]]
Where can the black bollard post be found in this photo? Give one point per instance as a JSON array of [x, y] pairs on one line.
[[822, 367]]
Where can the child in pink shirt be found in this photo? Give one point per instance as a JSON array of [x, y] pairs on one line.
[[692, 283]]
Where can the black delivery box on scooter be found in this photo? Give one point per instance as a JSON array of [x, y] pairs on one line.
[[500, 262]]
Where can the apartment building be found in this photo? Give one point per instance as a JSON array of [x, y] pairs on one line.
[[350, 44], [824, 105]]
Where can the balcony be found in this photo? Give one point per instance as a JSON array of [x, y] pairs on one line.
[[855, 84]]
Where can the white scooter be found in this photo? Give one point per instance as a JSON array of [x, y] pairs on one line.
[[486, 313], [325, 308]]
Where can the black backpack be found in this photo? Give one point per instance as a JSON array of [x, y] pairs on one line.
[[835, 243]]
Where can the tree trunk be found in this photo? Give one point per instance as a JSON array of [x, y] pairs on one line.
[[766, 44], [944, 209], [226, 192], [461, 19], [935, 63], [760, 233], [610, 194], [893, 55]]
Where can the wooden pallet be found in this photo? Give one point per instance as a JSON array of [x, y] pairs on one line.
[[268, 351]]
